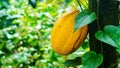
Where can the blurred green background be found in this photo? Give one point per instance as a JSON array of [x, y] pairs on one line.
[[25, 27]]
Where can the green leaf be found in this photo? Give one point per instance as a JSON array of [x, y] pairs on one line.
[[73, 63], [118, 50], [85, 45], [53, 56], [33, 3], [91, 60], [48, 1], [110, 35], [105, 38], [66, 2], [2, 44], [4, 4], [83, 19]]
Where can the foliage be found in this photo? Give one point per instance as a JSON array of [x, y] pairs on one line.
[[92, 60], [25, 27], [73, 63], [24, 35], [110, 35], [83, 19]]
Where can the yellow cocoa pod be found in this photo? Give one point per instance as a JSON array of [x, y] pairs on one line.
[[63, 38]]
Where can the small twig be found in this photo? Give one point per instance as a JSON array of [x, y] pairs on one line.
[[84, 5], [79, 5]]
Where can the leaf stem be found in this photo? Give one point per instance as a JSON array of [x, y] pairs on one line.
[[79, 4], [84, 5]]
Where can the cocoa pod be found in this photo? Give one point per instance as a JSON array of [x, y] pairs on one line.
[[63, 38]]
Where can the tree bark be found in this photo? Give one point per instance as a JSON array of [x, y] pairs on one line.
[[107, 14]]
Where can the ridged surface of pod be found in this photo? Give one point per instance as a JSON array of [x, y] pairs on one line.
[[63, 38]]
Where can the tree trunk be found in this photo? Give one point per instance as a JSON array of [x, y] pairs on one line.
[[107, 14]]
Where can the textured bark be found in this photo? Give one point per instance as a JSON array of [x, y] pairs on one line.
[[107, 14]]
